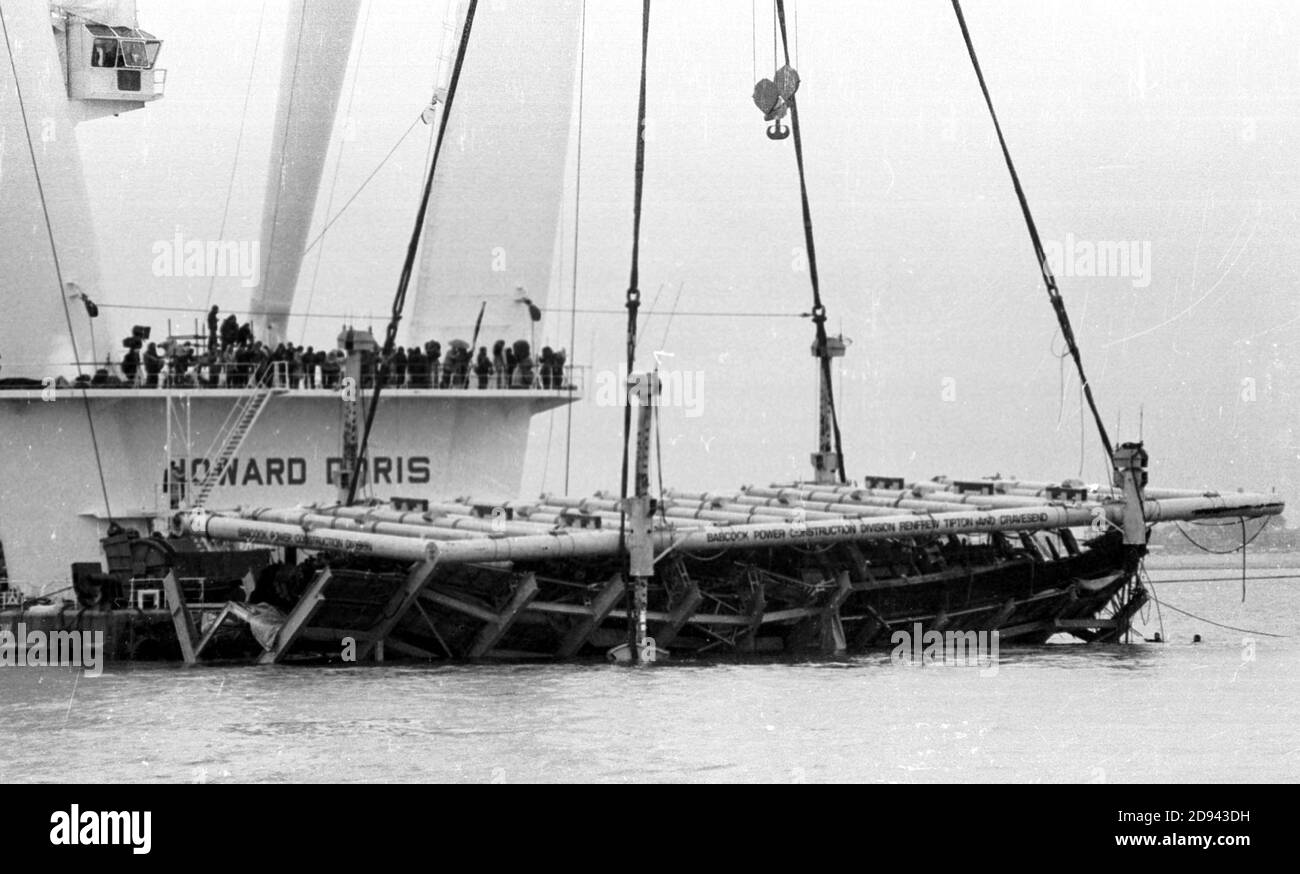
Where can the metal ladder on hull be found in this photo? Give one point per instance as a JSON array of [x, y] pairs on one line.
[[230, 438]]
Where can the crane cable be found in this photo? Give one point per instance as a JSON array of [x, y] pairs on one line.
[[633, 303], [633, 290], [1053, 293], [404, 281], [818, 310], [577, 226]]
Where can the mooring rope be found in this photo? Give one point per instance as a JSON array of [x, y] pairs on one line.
[[1203, 548], [1054, 294], [1142, 570], [1192, 615], [1245, 542]]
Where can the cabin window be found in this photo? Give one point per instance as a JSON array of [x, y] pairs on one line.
[[104, 53], [133, 55], [124, 48]]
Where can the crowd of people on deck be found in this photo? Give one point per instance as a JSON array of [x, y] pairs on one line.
[[229, 356]]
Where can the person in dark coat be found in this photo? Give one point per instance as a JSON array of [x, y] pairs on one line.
[[329, 370], [309, 367], [212, 327], [181, 362], [243, 369], [558, 374], [245, 335], [523, 375], [448, 369], [229, 332], [511, 364], [399, 367], [464, 361], [153, 365], [417, 367], [547, 363], [483, 367], [499, 365], [433, 352], [131, 366]]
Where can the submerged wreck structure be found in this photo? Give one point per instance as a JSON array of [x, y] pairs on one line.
[[810, 568], [823, 566]]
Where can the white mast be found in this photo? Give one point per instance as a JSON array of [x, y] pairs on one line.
[[318, 42], [496, 209]]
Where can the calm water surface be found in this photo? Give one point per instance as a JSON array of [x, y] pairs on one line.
[[1226, 709]]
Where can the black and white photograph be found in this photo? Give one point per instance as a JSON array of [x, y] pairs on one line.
[[651, 391]]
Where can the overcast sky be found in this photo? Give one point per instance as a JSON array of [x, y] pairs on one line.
[[1171, 128]]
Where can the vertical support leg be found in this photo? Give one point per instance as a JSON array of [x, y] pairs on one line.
[[180, 613], [640, 602], [832, 629]]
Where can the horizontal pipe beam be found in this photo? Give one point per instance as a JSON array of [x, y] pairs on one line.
[[603, 542]]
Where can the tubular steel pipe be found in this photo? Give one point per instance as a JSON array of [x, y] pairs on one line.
[[588, 542]]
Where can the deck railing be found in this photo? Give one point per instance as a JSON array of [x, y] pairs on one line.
[[570, 379]]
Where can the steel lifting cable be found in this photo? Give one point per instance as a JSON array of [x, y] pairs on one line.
[[58, 269], [404, 281], [633, 289], [1054, 294], [633, 304], [577, 227], [818, 310]]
